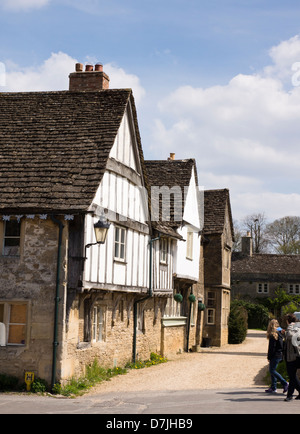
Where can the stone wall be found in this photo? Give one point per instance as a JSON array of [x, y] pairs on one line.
[[31, 279]]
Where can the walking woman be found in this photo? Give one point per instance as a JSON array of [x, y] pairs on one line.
[[275, 355]]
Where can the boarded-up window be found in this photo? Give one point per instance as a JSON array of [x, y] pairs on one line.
[[17, 324]]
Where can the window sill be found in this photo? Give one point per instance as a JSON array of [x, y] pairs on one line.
[[174, 321]]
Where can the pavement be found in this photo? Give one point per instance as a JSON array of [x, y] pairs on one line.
[[177, 404], [227, 380]]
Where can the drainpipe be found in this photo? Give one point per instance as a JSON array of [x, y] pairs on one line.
[[189, 325], [57, 299], [150, 292]]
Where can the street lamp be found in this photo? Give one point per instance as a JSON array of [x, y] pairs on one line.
[[101, 229]]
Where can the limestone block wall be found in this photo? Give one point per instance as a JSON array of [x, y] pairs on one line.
[[30, 279], [116, 348]]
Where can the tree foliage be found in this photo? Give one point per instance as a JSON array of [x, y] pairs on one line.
[[284, 235], [237, 323]]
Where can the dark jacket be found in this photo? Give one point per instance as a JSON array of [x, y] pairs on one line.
[[275, 349]]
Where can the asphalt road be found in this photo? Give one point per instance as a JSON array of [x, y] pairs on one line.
[[176, 403]]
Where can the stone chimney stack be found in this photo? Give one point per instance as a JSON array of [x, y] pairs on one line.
[[247, 246], [90, 80]]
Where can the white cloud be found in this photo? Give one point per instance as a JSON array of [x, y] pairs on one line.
[[274, 205], [53, 74], [18, 5], [121, 79], [248, 129]]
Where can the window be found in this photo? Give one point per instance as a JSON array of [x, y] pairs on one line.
[[211, 307], [262, 288], [189, 245], [120, 244], [163, 246], [13, 317], [98, 324], [211, 299], [294, 288], [211, 314], [11, 239]]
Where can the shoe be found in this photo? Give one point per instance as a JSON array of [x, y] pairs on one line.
[[285, 387], [270, 390], [288, 398], [297, 397]]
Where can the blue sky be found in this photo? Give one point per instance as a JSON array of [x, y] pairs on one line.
[[213, 80]]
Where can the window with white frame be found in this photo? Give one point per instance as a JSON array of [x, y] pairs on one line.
[[13, 320], [163, 247], [262, 288], [120, 244], [189, 245], [98, 324], [294, 288], [211, 316], [11, 238]]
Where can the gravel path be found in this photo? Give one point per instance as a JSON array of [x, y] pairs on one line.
[[231, 366]]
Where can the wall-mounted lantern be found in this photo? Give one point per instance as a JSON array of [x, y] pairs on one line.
[[101, 229]]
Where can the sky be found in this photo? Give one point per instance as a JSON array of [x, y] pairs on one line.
[[217, 80]]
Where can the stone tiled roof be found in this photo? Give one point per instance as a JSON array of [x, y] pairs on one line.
[[215, 203], [170, 173], [264, 264], [54, 147]]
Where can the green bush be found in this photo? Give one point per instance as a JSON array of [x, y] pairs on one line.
[[258, 315], [39, 386], [237, 324], [8, 382]]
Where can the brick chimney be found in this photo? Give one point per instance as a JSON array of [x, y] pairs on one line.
[[90, 80], [247, 247]]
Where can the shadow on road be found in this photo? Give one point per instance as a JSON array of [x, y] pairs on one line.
[[238, 353]]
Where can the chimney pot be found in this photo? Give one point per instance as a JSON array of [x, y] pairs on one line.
[[79, 67], [89, 67], [99, 67], [172, 156]]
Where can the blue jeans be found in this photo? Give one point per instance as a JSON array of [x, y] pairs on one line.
[[275, 376]]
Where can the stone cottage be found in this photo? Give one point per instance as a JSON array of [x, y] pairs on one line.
[[258, 275]]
